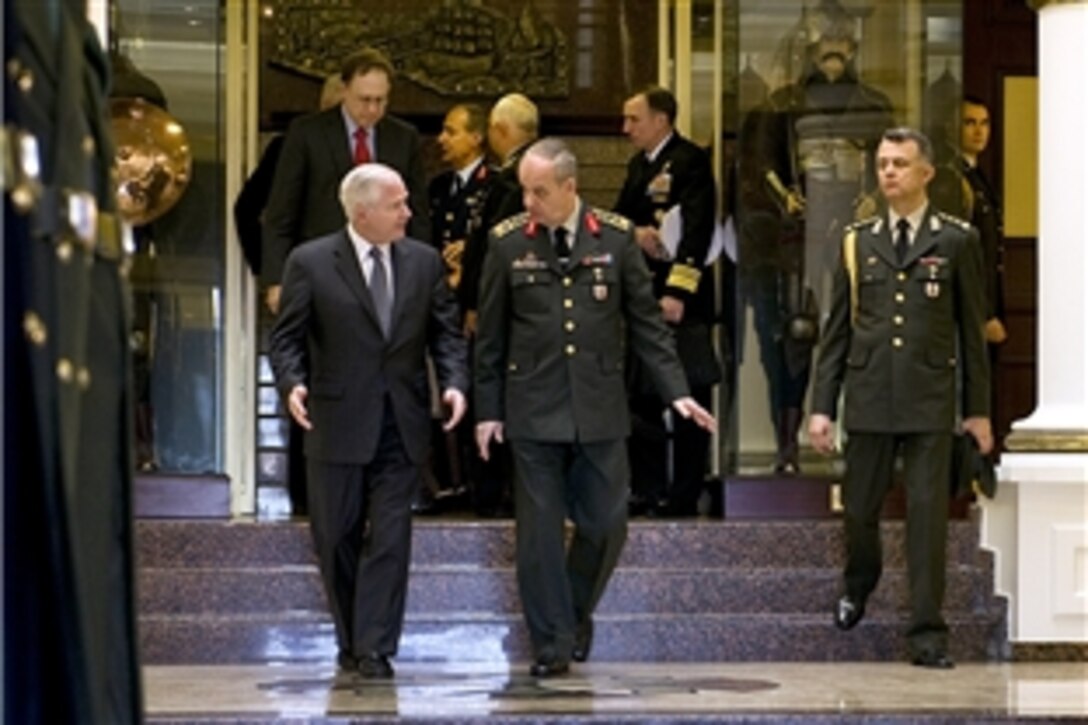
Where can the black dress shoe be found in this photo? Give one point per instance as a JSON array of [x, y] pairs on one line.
[[549, 668], [848, 612], [346, 660], [583, 641], [933, 660], [375, 667]]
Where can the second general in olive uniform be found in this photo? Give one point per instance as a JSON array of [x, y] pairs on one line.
[[564, 291]]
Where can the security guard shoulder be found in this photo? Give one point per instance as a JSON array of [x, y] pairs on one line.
[[508, 225], [612, 219]]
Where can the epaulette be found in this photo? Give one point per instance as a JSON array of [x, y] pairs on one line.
[[509, 224], [613, 219], [954, 220], [862, 223]]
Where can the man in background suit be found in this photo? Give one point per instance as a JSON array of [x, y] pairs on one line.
[[361, 307], [906, 310], [564, 291], [322, 147], [670, 171]]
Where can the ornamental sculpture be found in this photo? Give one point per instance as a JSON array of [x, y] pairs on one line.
[[460, 48]]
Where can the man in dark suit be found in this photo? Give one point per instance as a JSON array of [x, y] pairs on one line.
[[564, 291], [668, 172], [321, 148], [361, 307], [907, 309]]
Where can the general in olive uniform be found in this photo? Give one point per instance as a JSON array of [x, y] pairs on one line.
[[907, 310], [564, 287]]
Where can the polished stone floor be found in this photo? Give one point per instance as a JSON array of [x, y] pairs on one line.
[[613, 692]]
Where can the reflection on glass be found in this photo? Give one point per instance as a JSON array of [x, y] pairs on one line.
[[171, 63], [819, 82]]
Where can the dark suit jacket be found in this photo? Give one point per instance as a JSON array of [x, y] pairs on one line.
[[327, 337], [305, 199], [898, 359], [681, 173], [551, 342], [251, 202]]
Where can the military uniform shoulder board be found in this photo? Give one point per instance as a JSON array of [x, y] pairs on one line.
[[612, 219], [954, 220], [862, 223], [509, 224]]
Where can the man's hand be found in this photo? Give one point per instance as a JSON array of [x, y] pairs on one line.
[[485, 431], [979, 427], [688, 408], [468, 326], [995, 331], [455, 401], [672, 309], [296, 406], [452, 253], [272, 299], [649, 239], [820, 433], [795, 203]]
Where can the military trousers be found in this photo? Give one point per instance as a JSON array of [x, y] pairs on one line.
[[560, 588], [870, 471]]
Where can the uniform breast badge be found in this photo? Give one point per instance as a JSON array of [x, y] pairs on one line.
[[933, 285], [661, 185], [600, 289]]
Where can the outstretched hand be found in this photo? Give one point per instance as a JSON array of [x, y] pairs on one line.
[[688, 408]]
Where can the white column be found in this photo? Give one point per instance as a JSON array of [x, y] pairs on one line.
[[1038, 523]]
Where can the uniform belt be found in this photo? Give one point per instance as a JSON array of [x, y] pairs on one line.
[[57, 213]]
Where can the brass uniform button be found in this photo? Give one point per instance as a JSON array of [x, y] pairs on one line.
[[570, 350], [900, 297], [902, 276], [25, 81], [64, 251], [567, 282], [34, 329], [568, 303], [83, 378], [898, 320], [65, 370], [88, 145], [569, 325], [897, 342]]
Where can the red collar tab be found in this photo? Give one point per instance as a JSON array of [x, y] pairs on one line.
[[481, 172], [593, 224], [530, 228]]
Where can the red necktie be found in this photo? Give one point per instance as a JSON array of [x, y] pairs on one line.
[[362, 151]]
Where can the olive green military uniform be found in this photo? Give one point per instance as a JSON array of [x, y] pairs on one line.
[[550, 365], [895, 336], [70, 641]]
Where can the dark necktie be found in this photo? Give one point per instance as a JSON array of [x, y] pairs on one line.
[[362, 151], [902, 239], [562, 246], [380, 290]]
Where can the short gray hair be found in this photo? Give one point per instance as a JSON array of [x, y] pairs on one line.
[[902, 134], [556, 151], [517, 110], [363, 185]]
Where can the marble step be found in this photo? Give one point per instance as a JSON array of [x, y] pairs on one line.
[[679, 544], [460, 588], [497, 638]]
